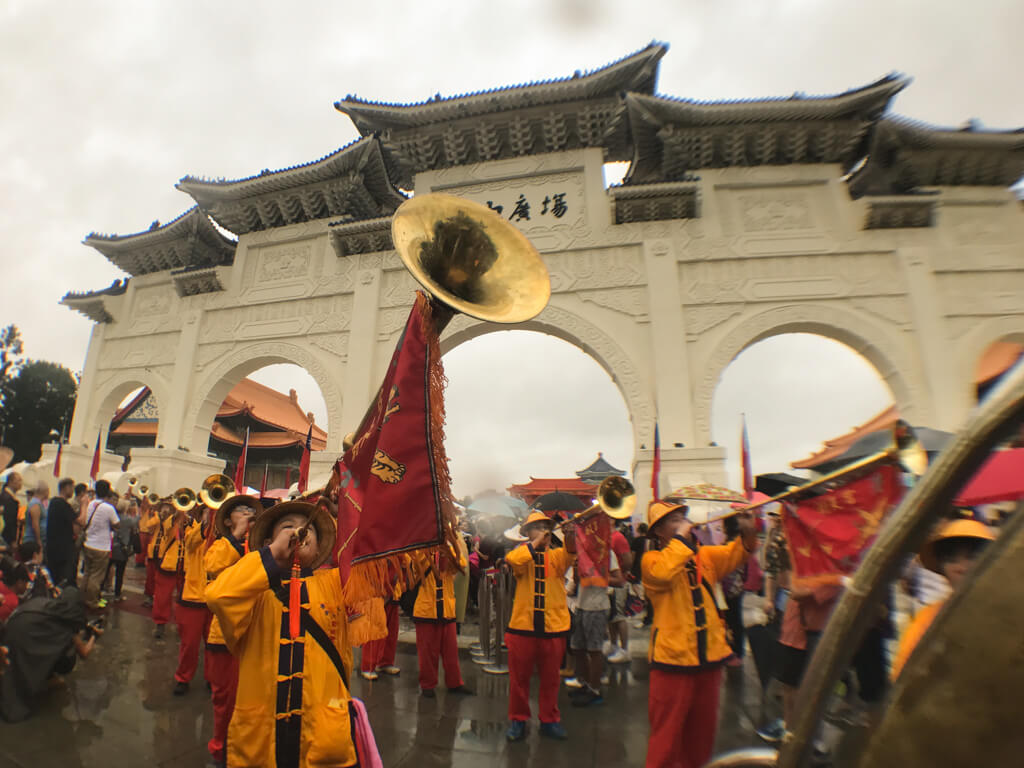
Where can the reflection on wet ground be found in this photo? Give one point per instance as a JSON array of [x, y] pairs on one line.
[[117, 709]]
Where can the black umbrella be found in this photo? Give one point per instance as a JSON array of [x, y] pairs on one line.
[[774, 483], [559, 501], [932, 440]]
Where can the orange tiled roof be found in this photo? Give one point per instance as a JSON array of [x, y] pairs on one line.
[[266, 439], [837, 446], [999, 357], [538, 486]]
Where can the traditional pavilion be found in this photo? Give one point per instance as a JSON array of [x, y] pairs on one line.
[[583, 486], [276, 424]]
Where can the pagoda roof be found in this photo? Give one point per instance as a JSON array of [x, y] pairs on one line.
[[188, 241], [538, 486], [599, 469], [511, 121], [350, 183], [672, 137], [837, 446], [905, 156], [92, 304]]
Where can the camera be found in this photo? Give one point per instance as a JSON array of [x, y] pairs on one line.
[[91, 627]]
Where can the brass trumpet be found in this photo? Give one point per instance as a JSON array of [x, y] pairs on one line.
[[151, 496], [184, 499], [216, 490], [132, 482], [616, 497]]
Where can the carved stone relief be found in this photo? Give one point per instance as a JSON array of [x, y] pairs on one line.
[[284, 318], [597, 268], [335, 343], [138, 352], [628, 301]]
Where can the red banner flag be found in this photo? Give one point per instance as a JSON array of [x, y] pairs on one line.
[[656, 465], [304, 463], [394, 492], [748, 474], [263, 483], [94, 470], [828, 534], [56, 462], [240, 467], [593, 545]]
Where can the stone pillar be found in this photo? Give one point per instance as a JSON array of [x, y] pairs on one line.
[[359, 384], [679, 466], [80, 426], [671, 374], [948, 403], [75, 462], [172, 432]]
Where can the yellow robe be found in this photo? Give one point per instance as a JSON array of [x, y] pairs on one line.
[[913, 633], [222, 554], [193, 591], [539, 607], [311, 724]]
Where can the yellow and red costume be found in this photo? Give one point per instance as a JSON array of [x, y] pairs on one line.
[[192, 615], [221, 666], [148, 522], [292, 705], [688, 645], [169, 553], [434, 617], [381, 652], [537, 629], [152, 528]]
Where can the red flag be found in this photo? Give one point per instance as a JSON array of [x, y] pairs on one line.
[[656, 466], [263, 484], [748, 475], [95, 468], [240, 468], [394, 491], [304, 463], [828, 534], [593, 545], [56, 462]]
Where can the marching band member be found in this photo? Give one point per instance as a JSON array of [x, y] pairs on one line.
[[434, 617], [538, 626], [688, 645], [379, 655], [950, 553], [293, 701], [165, 566], [232, 522], [150, 527], [192, 615]]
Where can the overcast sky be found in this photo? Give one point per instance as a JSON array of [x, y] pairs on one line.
[[107, 104]]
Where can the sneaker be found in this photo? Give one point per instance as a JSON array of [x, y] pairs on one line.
[[369, 674], [620, 656], [462, 690], [391, 669], [516, 731], [588, 698], [773, 732], [101, 603], [428, 693], [572, 682], [553, 731], [120, 599], [180, 688]]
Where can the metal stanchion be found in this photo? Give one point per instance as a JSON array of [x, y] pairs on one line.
[[482, 654], [502, 607]]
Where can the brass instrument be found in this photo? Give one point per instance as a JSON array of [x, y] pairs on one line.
[[216, 490], [132, 482], [184, 499], [954, 703], [152, 496], [143, 490], [470, 259], [616, 497]]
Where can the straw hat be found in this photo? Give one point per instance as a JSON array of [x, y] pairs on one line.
[[658, 509], [223, 514], [535, 517], [324, 524], [954, 529]]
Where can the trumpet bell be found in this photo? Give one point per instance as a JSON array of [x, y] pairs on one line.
[[216, 490], [468, 257], [153, 498], [617, 497], [132, 482], [184, 499]]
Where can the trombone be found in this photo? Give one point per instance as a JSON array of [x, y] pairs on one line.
[[616, 497]]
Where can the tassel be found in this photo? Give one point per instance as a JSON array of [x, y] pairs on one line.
[[295, 598]]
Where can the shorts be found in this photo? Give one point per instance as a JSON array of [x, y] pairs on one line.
[[589, 631], [793, 661], [618, 605]]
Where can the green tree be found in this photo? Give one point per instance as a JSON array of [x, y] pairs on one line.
[[37, 405], [10, 355]]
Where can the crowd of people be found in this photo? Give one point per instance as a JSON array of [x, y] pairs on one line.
[[243, 581]]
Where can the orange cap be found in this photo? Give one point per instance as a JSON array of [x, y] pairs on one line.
[[954, 529], [658, 509], [535, 517]]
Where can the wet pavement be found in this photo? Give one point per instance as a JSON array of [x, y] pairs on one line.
[[116, 709]]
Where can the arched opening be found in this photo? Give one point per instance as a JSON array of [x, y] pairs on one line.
[[135, 423], [524, 404], [268, 411], [797, 391]]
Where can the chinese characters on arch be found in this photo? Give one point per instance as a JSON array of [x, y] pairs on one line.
[[540, 204]]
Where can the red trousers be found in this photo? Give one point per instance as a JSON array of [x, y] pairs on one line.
[[164, 585], [140, 556], [433, 641], [222, 673], [683, 712], [525, 654], [151, 569], [193, 625], [381, 653]]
